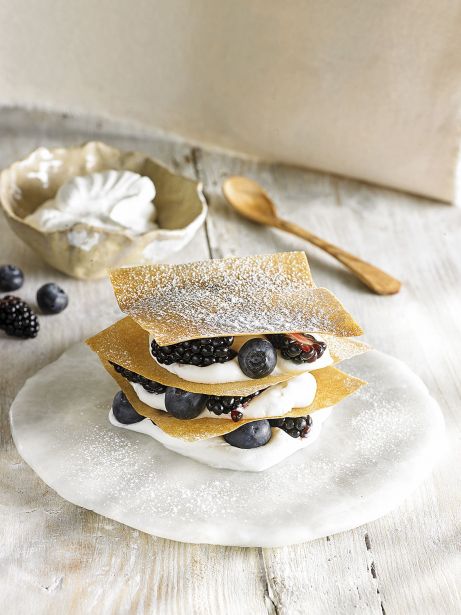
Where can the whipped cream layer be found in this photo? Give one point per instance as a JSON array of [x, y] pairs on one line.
[[110, 200], [277, 400], [216, 452], [230, 371]]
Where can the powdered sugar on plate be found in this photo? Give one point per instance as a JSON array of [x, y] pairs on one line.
[[375, 448]]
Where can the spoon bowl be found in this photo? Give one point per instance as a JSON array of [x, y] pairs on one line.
[[250, 200]]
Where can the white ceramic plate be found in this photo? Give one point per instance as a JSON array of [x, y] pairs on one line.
[[376, 447]]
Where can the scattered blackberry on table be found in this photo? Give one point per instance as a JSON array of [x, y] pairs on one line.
[[124, 411], [17, 318], [250, 435], [52, 299], [200, 352], [257, 358], [225, 405], [295, 427], [149, 385], [11, 278], [184, 404], [298, 347]]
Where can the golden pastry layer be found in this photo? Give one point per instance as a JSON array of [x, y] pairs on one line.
[[233, 296], [127, 344], [333, 386]]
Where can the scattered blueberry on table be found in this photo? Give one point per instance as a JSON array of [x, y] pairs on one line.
[[52, 299], [17, 318], [11, 278]]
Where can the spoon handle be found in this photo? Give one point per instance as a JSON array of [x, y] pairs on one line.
[[376, 279]]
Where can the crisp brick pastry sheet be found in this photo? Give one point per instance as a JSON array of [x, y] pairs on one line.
[[333, 386], [127, 344], [232, 296]]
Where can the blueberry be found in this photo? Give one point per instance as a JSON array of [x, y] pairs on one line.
[[124, 411], [183, 404], [51, 298], [257, 358], [250, 435], [11, 278]]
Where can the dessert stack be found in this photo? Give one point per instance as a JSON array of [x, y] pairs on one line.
[[229, 362]]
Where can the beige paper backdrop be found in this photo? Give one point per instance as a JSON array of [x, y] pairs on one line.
[[370, 89]]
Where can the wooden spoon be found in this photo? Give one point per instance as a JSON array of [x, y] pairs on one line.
[[250, 201]]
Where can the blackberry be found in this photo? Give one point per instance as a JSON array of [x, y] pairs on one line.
[[200, 352], [295, 427], [298, 347], [217, 405], [17, 318], [149, 385], [225, 405]]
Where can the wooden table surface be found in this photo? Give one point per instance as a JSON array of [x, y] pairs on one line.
[[58, 558]]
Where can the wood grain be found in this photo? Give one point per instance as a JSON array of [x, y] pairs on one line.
[[55, 557]]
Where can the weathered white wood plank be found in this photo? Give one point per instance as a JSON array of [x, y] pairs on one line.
[[412, 556], [417, 548], [333, 575], [55, 557]]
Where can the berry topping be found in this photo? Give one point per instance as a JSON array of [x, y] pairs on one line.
[[51, 298], [201, 352], [298, 347], [250, 435], [149, 385], [124, 411], [17, 318], [257, 358], [214, 403], [11, 278], [225, 405], [295, 427], [236, 415], [183, 404]]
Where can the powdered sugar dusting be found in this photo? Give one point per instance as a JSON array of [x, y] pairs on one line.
[[343, 348], [233, 296]]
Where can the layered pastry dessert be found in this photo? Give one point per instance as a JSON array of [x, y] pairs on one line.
[[229, 362]]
